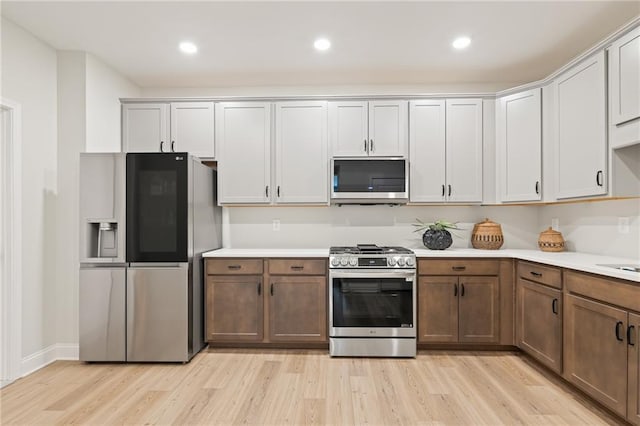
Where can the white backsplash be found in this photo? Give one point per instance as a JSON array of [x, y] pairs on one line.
[[592, 227], [589, 227], [317, 227]]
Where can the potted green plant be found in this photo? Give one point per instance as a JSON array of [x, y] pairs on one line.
[[436, 235]]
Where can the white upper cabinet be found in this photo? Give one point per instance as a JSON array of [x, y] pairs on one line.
[[427, 157], [243, 133], [464, 150], [145, 127], [581, 129], [519, 146], [192, 128], [361, 129], [301, 160], [169, 127], [445, 151], [624, 90]]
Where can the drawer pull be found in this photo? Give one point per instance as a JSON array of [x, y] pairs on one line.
[[618, 338], [630, 331], [535, 274], [458, 268], [554, 306], [234, 267], [297, 268]]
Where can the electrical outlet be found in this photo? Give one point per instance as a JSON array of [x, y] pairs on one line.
[[555, 223], [276, 224], [623, 225]]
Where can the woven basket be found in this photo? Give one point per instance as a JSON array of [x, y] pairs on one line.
[[551, 240], [487, 235]]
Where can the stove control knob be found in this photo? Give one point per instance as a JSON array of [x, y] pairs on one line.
[[410, 262], [353, 262], [343, 261], [335, 261], [401, 261], [391, 261]]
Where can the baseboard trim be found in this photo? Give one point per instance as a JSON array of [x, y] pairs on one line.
[[42, 358]]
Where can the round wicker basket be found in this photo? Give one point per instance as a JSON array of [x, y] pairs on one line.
[[487, 235], [551, 240]]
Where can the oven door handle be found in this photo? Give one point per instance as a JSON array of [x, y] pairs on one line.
[[378, 273]]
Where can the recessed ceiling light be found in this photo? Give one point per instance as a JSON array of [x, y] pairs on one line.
[[188, 47], [461, 42], [322, 44]]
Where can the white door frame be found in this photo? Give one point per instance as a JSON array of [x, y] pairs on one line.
[[11, 223]]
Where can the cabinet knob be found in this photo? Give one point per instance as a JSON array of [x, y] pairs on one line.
[[161, 146], [537, 187], [271, 290], [266, 191], [461, 289], [458, 268], [618, 325], [554, 306], [630, 331], [449, 190], [371, 148], [599, 176], [173, 143], [365, 145]]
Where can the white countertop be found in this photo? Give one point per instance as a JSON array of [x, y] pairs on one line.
[[578, 261]]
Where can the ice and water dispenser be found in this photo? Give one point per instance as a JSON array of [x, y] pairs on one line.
[[103, 239]]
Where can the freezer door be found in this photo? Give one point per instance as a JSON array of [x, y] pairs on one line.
[[158, 311], [102, 314]]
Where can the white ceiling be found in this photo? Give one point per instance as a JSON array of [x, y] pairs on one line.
[[270, 43]]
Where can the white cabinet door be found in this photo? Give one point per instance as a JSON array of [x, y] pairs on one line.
[[348, 129], [427, 151], [192, 128], [388, 128], [243, 133], [624, 90], [625, 62], [145, 127], [464, 150], [302, 170], [581, 129], [519, 137]]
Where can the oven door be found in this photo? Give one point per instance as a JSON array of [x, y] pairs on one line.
[[372, 303]]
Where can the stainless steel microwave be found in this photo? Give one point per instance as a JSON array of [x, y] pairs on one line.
[[369, 181]]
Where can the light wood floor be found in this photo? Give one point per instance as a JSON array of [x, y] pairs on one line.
[[299, 387]]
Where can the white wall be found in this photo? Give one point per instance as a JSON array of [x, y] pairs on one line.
[[29, 78], [317, 227], [104, 88], [592, 227]]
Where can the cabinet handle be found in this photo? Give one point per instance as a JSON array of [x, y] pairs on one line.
[[449, 190], [259, 288], [266, 191], [271, 291], [599, 177], [537, 187], [371, 148], [161, 145], [234, 267], [297, 268], [458, 268], [461, 290], [618, 338], [172, 146], [365, 145], [455, 290], [535, 274], [278, 191], [630, 331], [554, 306], [443, 189]]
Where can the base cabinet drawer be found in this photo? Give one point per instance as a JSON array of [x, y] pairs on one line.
[[539, 319]]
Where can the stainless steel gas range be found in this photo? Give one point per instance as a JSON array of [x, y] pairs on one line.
[[372, 301]]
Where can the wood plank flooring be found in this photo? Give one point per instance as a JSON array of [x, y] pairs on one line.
[[279, 387]]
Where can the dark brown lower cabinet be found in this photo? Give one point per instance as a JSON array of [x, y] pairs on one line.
[[234, 308], [298, 309], [461, 309], [595, 350], [539, 322], [633, 339]]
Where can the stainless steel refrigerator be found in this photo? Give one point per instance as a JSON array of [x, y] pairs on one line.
[[145, 220]]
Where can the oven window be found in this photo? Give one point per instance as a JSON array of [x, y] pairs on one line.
[[372, 302]]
